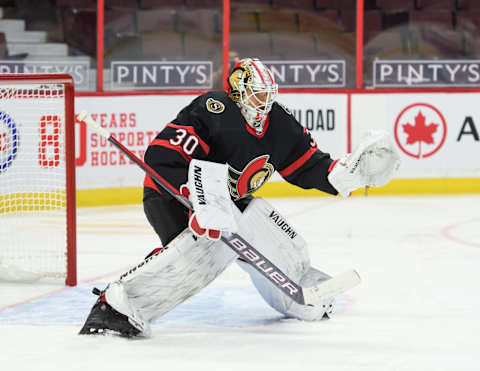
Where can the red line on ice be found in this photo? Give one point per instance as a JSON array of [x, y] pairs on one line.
[[446, 232], [56, 291]]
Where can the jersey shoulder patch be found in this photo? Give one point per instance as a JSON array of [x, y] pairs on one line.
[[215, 106]]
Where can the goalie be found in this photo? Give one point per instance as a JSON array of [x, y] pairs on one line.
[[217, 152]]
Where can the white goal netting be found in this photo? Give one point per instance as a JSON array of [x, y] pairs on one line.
[[33, 237]]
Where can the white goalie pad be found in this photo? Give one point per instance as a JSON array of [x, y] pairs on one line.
[[167, 278], [209, 194], [274, 237], [373, 163]]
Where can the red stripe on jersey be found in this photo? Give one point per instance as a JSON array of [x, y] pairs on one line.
[[332, 165], [167, 144], [254, 132], [148, 182], [190, 130], [304, 158]]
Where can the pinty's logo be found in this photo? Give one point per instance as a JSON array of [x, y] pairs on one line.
[[420, 130]]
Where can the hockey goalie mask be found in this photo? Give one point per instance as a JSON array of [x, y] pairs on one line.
[[252, 87]]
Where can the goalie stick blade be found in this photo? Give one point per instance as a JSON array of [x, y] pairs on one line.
[[331, 287]]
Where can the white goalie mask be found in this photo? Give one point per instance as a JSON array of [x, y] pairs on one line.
[[252, 87]]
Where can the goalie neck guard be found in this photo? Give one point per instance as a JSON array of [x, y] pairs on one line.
[[252, 87]]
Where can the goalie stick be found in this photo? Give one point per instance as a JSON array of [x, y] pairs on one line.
[[302, 295]]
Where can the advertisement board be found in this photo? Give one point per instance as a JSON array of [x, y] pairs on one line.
[[31, 145], [324, 115], [436, 134], [161, 75], [77, 67], [426, 73], [135, 121], [308, 74]]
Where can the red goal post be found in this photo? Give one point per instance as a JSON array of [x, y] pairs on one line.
[[37, 177]]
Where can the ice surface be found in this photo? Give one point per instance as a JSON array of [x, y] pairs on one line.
[[416, 309]]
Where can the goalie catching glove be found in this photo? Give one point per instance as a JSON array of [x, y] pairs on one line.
[[207, 189], [371, 164]]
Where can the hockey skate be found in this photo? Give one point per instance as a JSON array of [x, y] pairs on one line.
[[103, 318]]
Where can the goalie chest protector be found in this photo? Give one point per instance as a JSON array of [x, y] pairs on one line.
[[212, 128]]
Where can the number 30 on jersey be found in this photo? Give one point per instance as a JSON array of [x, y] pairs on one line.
[[185, 140]]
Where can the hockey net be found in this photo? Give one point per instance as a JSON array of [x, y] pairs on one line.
[[37, 178]]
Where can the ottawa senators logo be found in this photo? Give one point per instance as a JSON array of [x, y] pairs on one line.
[[252, 177], [215, 106], [240, 76]]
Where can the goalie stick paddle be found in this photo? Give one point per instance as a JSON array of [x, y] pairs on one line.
[[305, 296]]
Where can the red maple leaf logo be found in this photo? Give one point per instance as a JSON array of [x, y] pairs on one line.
[[420, 132]]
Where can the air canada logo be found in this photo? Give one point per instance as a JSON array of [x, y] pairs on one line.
[[252, 177], [420, 130], [8, 141]]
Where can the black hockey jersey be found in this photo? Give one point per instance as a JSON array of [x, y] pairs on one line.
[[212, 128]]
